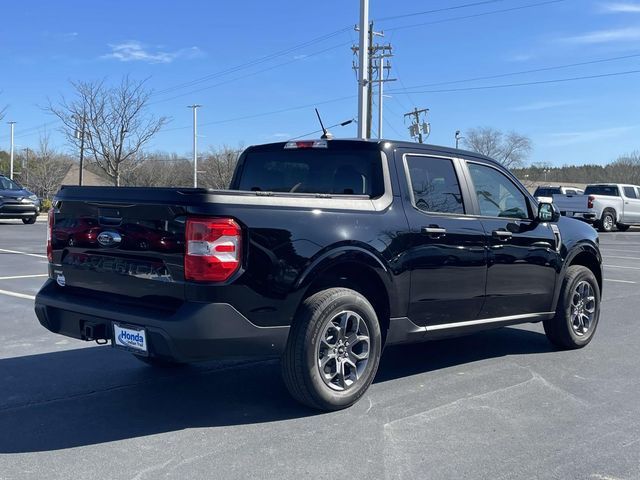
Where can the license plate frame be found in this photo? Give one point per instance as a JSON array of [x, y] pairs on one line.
[[131, 338]]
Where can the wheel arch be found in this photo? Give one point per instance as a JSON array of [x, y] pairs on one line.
[[358, 269], [586, 255]]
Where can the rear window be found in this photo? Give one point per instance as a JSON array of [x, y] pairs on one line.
[[608, 190], [328, 171], [546, 191]]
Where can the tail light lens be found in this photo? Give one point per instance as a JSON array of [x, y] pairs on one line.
[[590, 200], [49, 235], [213, 249]]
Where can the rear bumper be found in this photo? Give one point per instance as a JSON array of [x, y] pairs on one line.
[[585, 216], [195, 332]]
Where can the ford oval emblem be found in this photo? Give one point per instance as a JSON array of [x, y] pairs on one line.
[[109, 239]]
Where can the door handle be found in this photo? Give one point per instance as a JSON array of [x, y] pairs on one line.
[[503, 235], [435, 231]]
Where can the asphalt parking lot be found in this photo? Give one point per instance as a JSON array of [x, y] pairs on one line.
[[501, 404]]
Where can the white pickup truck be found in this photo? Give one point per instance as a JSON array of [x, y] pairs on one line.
[[606, 205]]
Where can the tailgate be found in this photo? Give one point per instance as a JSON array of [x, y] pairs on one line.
[[571, 203], [132, 248]]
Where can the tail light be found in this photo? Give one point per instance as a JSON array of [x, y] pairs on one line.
[[213, 248], [50, 235], [590, 200]]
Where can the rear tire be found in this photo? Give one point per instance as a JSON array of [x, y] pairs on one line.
[[30, 220], [607, 222], [578, 311], [333, 350]]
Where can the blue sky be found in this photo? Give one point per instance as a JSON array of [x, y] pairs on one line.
[[182, 47]]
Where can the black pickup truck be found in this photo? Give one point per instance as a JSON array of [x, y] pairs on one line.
[[321, 252]]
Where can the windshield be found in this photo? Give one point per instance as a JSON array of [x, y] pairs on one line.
[[7, 184], [322, 171], [608, 190]]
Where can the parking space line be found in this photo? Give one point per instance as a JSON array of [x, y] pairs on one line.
[[619, 281], [24, 276], [620, 266], [18, 295], [23, 253], [617, 256]]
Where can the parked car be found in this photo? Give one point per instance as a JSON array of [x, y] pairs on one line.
[[322, 253], [548, 191], [606, 205], [16, 202]]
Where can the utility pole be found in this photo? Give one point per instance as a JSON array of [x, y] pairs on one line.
[[25, 168], [363, 61], [374, 61], [382, 65], [195, 107], [458, 137], [11, 154], [80, 134], [419, 124]]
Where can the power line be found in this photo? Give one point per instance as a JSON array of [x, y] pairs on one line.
[[540, 82], [272, 67], [522, 72], [475, 15], [438, 10], [265, 114], [252, 63]]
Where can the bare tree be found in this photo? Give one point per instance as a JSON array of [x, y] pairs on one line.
[[218, 166], [626, 169], [114, 123], [511, 149], [160, 170], [3, 110], [46, 169]]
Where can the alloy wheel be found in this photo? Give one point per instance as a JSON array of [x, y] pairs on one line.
[[343, 350]]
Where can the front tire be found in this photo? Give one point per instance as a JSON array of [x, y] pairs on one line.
[[333, 350], [30, 220], [578, 310]]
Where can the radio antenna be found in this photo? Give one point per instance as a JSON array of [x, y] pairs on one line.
[[326, 135]]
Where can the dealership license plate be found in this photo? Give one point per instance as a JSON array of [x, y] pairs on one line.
[[569, 214], [130, 338]]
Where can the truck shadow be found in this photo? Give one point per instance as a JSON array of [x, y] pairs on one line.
[[94, 395]]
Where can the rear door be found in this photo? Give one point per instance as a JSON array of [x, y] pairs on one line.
[[523, 259], [446, 251], [631, 212]]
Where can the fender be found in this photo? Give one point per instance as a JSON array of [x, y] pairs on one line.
[[580, 247], [339, 254]]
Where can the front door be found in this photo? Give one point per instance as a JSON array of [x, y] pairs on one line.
[[446, 252], [523, 257]]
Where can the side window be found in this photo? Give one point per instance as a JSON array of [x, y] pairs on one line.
[[570, 191], [497, 194], [629, 192], [435, 185]]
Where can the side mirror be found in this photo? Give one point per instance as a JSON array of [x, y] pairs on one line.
[[548, 212]]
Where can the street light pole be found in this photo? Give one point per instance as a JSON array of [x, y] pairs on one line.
[[195, 107], [458, 137], [11, 155]]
